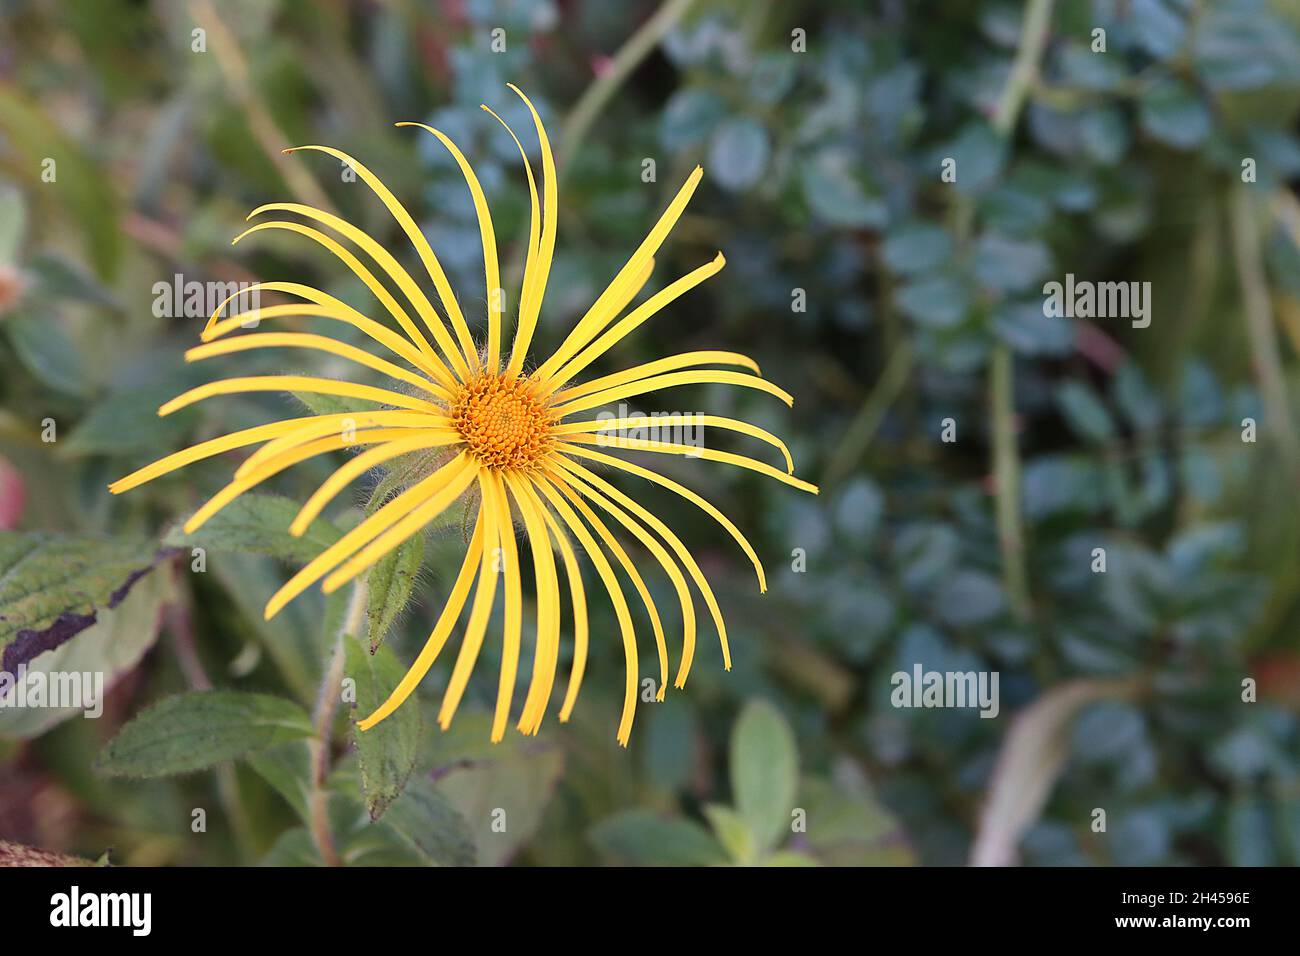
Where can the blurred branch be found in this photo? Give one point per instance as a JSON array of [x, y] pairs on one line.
[[638, 46], [1259, 324], [863, 428], [1006, 456], [265, 130]]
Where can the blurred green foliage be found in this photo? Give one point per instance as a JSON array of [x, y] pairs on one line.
[[877, 293]]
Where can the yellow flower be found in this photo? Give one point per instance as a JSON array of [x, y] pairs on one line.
[[508, 438]]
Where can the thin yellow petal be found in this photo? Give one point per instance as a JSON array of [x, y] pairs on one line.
[[601, 312], [513, 624], [578, 599], [344, 423], [665, 561], [629, 566], [438, 637], [206, 449], [534, 228], [708, 454], [671, 380], [546, 650], [669, 363], [355, 467], [667, 421], [318, 343], [422, 247], [700, 502], [379, 290], [574, 523], [328, 307], [432, 321], [297, 383], [640, 314], [683, 554], [294, 456], [366, 531], [461, 471], [491, 267], [484, 596], [530, 305]]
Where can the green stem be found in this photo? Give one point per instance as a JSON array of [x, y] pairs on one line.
[[638, 46], [1258, 307], [327, 700], [863, 428], [1006, 456]]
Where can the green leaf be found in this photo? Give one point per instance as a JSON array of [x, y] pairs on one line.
[[287, 768], [732, 832], [111, 646], [764, 772], [86, 194], [833, 187], [389, 586], [128, 423], [788, 858], [197, 730], [644, 838], [1175, 114], [1085, 412], [429, 826], [738, 153], [259, 523], [386, 752], [46, 352], [51, 586]]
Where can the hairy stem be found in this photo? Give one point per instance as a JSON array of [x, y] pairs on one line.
[[327, 700]]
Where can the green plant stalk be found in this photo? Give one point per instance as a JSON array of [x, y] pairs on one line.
[[1258, 307], [637, 47], [323, 720], [1006, 480], [863, 428], [1006, 456]]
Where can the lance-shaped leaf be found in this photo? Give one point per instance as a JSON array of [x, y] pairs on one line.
[[387, 751], [197, 730], [259, 523]]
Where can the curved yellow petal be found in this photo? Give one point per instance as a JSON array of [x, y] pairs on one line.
[[700, 502], [629, 566], [377, 288], [683, 554], [438, 637], [600, 313], [366, 531], [484, 596], [531, 303], [297, 383], [513, 624], [708, 454], [665, 561], [574, 523], [421, 244], [432, 321], [667, 421], [344, 423], [355, 467], [578, 598], [669, 363], [671, 380], [491, 267], [546, 650], [318, 343], [461, 471], [640, 314]]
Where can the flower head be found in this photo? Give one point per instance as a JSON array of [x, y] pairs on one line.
[[514, 441]]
